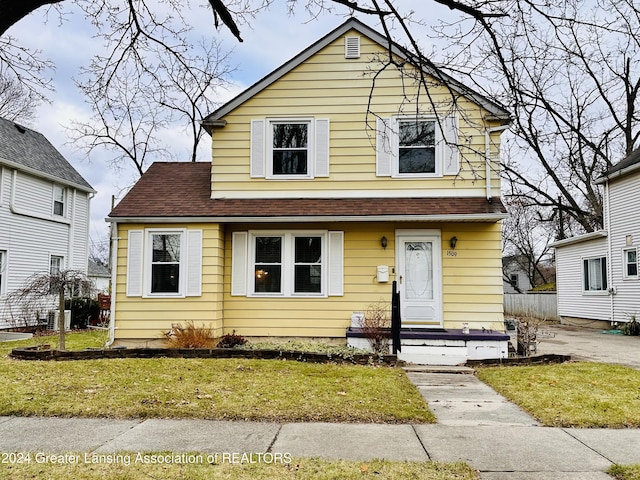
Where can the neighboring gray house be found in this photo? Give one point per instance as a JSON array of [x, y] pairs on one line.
[[44, 212], [100, 276], [597, 273], [515, 278]]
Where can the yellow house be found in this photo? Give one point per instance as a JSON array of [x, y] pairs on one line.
[[350, 166]]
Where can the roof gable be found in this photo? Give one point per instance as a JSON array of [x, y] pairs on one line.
[[26, 149], [352, 24]]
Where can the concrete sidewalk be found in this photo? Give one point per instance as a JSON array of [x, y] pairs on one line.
[[475, 425]]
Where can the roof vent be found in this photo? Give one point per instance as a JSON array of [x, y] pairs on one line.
[[351, 47], [20, 128]]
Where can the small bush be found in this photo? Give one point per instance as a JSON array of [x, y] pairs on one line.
[[376, 325], [231, 340], [632, 327], [189, 336]]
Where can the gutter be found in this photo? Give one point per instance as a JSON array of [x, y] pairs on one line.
[[487, 156]]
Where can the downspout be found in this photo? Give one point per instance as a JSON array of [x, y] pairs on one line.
[[606, 215], [487, 156], [114, 264]]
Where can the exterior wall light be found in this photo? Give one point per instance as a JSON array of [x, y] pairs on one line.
[[383, 243], [452, 242]]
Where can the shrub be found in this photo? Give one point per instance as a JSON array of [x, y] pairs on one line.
[[231, 340], [376, 326], [632, 327], [189, 336]]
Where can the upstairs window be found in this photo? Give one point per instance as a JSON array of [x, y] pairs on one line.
[[58, 200], [290, 148], [594, 274], [416, 147], [630, 263]]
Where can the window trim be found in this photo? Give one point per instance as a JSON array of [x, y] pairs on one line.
[[4, 268], [311, 160], [148, 257], [625, 264], [288, 263], [395, 146], [604, 272]]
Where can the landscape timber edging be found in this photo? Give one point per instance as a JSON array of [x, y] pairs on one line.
[[535, 360], [39, 353]]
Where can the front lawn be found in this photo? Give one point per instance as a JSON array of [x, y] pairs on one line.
[[224, 389], [580, 394], [298, 469]]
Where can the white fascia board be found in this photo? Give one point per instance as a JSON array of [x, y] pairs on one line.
[[617, 174], [579, 239], [485, 218]]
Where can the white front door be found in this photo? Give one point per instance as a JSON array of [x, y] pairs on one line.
[[419, 278]]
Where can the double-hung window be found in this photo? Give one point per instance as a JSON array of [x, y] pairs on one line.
[[59, 194], [416, 146], [288, 264], [594, 274], [165, 263], [290, 152], [55, 267], [630, 263]]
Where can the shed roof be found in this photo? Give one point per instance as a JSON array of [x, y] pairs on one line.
[[181, 191], [26, 149]]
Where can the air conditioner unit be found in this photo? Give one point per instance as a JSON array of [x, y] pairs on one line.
[[52, 323]]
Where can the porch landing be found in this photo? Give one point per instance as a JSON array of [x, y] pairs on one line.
[[442, 346]]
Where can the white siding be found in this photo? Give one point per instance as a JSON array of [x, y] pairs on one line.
[[624, 221], [572, 301], [31, 236]]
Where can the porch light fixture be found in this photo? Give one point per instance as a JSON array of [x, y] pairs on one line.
[[383, 243], [452, 242]]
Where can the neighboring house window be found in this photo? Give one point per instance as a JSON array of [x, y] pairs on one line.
[[630, 263], [164, 263], [3, 270], [287, 264], [514, 280], [292, 148], [416, 146], [594, 271], [55, 267], [58, 200]]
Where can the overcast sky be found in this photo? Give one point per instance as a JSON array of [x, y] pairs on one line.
[[272, 38]]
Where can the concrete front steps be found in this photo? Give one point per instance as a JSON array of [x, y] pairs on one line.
[[442, 347]]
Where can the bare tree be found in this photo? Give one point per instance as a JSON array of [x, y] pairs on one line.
[[16, 101], [566, 72], [42, 289]]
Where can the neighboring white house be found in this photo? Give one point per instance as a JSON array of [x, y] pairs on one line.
[[515, 278], [44, 212], [597, 273]]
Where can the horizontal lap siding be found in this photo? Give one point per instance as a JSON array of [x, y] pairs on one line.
[[472, 283], [330, 86], [625, 204], [147, 318], [572, 302]]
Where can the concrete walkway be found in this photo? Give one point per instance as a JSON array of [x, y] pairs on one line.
[[475, 425]]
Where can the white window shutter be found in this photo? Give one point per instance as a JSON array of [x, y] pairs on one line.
[[336, 264], [384, 152], [322, 147], [239, 263], [257, 148], [134, 263], [450, 148], [194, 263]]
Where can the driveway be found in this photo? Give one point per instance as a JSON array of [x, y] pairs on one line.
[[590, 344]]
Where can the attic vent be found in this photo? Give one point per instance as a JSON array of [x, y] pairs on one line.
[[20, 128], [351, 47]]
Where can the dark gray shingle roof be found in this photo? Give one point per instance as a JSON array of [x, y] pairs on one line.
[[21, 146]]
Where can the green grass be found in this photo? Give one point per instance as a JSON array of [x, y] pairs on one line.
[[298, 469], [580, 394], [625, 472], [231, 389]]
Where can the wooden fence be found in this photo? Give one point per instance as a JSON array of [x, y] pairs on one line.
[[539, 305]]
